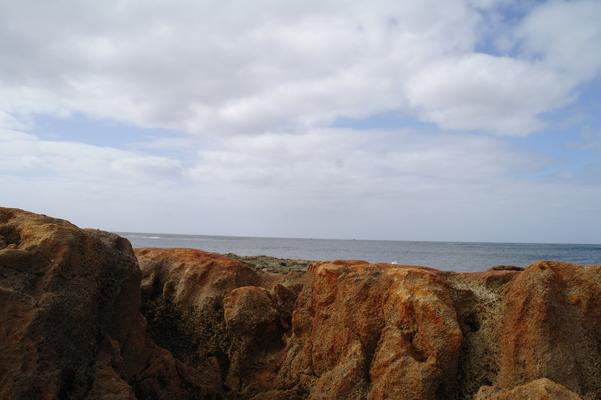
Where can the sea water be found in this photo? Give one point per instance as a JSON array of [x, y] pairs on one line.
[[455, 256]]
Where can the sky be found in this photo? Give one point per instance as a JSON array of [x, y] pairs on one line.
[[451, 120]]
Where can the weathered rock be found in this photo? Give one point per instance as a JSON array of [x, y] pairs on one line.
[[70, 324], [254, 320], [272, 264], [540, 389], [478, 301], [371, 331], [551, 328], [219, 328], [506, 268], [184, 292]]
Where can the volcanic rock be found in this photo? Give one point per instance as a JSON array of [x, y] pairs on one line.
[[540, 389], [212, 311], [81, 317], [71, 327], [371, 331], [551, 328]]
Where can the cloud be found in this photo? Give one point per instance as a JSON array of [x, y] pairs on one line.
[[321, 183], [213, 68], [254, 89], [338, 158], [483, 92], [566, 36], [24, 154]]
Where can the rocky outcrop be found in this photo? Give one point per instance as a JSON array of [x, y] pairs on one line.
[[540, 389], [551, 327], [378, 331], [372, 331], [70, 322], [82, 317], [520, 327], [219, 314]]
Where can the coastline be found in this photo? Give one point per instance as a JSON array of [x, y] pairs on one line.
[[449, 256], [85, 316]]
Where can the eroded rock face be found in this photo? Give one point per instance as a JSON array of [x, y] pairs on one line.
[[219, 314], [71, 327], [372, 331], [551, 328], [82, 318], [478, 300], [540, 389]]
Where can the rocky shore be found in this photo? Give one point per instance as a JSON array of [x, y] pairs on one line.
[[84, 316]]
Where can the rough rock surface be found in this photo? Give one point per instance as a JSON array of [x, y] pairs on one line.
[[372, 331], [540, 389], [82, 318], [551, 328], [216, 313], [70, 323]]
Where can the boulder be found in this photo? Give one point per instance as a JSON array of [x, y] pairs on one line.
[[540, 389], [71, 326], [82, 318], [551, 328], [214, 312], [371, 331]]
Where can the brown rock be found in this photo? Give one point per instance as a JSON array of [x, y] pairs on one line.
[[70, 324], [506, 268], [371, 331], [253, 319], [478, 300], [249, 310], [219, 328], [551, 328], [540, 389], [208, 310]]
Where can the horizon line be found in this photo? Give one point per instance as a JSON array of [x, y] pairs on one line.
[[354, 239]]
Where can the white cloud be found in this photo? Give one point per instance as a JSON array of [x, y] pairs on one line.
[[336, 158], [323, 183], [256, 85], [566, 35], [212, 67], [26, 155], [496, 94]]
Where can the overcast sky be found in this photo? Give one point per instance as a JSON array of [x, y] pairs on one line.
[[475, 120]]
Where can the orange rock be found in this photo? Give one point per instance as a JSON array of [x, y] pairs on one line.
[[71, 328], [546, 332], [208, 309], [216, 328], [372, 331], [540, 389]]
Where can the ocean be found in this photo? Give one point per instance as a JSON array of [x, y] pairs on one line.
[[453, 256]]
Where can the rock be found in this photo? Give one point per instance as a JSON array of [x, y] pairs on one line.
[[71, 327], [506, 268], [208, 309], [249, 310], [274, 264], [478, 300], [540, 389], [371, 331], [254, 321], [82, 318], [551, 328]]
